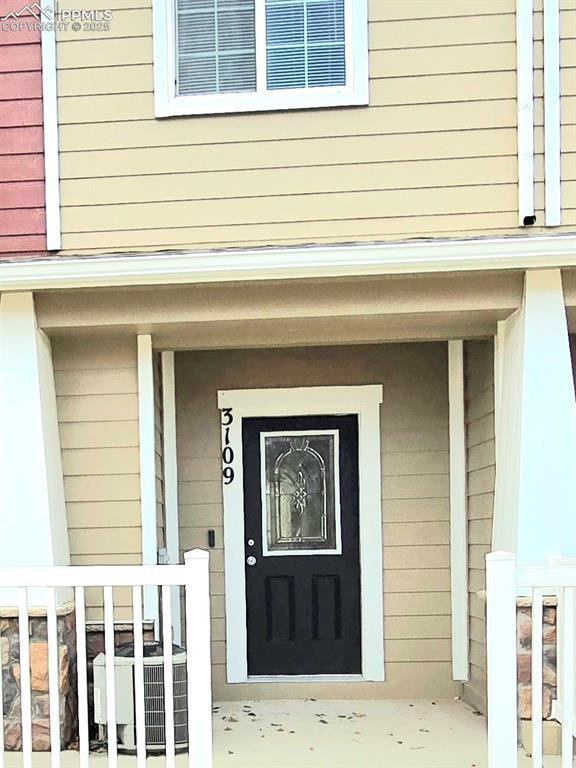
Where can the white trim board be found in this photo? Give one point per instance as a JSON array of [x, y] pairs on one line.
[[147, 468], [525, 109], [552, 113], [171, 480], [50, 122], [458, 512], [306, 401], [290, 262]]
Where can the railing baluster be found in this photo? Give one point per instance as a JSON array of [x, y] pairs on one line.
[[25, 692], [198, 668], [168, 677], [501, 659], [537, 678], [82, 669], [139, 677], [112, 730], [53, 677], [568, 596]]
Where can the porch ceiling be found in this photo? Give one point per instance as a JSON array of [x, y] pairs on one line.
[[291, 312]]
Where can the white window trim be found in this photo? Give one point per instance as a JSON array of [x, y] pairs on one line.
[[307, 401], [168, 104]]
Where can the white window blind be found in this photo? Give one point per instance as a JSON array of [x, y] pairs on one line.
[[305, 43], [216, 46]]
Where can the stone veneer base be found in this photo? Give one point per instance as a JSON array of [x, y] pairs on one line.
[[10, 654]]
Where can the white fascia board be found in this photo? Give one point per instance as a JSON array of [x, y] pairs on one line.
[[290, 263]]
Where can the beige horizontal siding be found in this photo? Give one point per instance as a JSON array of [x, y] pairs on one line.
[[415, 492], [481, 468], [433, 156], [97, 398]]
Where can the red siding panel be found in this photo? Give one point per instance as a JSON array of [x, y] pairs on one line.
[[20, 113], [22, 209], [23, 221], [22, 168], [21, 58], [21, 85], [21, 194], [20, 37], [22, 245], [21, 141]]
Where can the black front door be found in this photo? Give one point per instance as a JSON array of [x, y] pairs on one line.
[[302, 545]]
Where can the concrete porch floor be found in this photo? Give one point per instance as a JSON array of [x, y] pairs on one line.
[[349, 734], [333, 734]]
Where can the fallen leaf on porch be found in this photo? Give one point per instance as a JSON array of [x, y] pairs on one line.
[[230, 752], [231, 719], [417, 747], [325, 722], [423, 730], [358, 714], [276, 725]]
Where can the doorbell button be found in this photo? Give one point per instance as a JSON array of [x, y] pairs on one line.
[[250, 542]]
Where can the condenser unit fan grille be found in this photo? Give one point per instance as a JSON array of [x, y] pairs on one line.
[[155, 716]]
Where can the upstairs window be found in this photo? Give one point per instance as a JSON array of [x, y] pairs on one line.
[[215, 56]]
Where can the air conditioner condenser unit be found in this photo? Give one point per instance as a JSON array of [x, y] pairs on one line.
[[154, 701]]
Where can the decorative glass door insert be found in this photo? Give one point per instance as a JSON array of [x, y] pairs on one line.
[[300, 493]]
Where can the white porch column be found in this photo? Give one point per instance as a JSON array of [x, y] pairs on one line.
[[32, 507], [536, 447], [148, 470]]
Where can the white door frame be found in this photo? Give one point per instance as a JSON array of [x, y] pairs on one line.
[[363, 401]]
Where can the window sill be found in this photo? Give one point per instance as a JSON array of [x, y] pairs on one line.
[[180, 106]]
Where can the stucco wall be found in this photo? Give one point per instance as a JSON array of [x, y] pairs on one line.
[[481, 473], [414, 423]]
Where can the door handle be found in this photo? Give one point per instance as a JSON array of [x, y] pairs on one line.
[[251, 560]]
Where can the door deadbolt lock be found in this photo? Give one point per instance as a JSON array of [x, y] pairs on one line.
[[251, 560]]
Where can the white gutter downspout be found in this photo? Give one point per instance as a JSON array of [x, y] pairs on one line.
[[51, 146], [552, 112], [525, 100]]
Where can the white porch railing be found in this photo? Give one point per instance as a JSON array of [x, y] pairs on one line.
[[44, 582], [504, 580]]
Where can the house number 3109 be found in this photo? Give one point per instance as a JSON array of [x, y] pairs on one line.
[[227, 450]]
